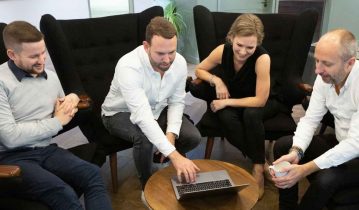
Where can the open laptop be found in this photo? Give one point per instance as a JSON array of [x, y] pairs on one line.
[[207, 183]]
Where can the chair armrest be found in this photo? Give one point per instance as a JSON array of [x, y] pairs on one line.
[[85, 102], [7, 171], [196, 81], [307, 88]]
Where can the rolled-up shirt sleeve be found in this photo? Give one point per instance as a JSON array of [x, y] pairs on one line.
[[346, 150], [348, 146], [309, 123]]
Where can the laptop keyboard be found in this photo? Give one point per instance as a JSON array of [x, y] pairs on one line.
[[203, 186]]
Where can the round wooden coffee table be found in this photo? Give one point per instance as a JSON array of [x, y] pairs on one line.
[[160, 195]]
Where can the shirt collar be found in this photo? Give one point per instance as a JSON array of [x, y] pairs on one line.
[[352, 75], [20, 74]]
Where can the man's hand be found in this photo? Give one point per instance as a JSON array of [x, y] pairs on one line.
[[295, 174], [292, 157], [61, 114], [184, 167], [66, 108], [69, 103]]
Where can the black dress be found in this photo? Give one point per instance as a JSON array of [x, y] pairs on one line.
[[242, 126], [242, 83]]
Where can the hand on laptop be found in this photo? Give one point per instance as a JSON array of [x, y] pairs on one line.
[[184, 167]]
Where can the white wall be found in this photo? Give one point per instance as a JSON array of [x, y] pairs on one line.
[[341, 14], [140, 5], [32, 10], [100, 8], [185, 7]]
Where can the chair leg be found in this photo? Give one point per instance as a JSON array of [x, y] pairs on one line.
[[113, 168], [269, 152], [209, 147]]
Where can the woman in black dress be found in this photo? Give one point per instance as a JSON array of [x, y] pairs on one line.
[[239, 90]]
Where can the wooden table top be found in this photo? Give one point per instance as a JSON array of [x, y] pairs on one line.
[[160, 195]]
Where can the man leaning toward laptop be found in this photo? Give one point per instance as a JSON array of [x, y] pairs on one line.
[[146, 101]]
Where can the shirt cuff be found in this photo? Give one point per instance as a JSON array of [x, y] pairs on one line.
[[57, 124], [166, 147], [322, 162]]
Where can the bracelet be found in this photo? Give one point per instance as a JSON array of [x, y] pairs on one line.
[[298, 150], [211, 83]]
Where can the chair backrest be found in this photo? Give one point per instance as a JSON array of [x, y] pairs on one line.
[[3, 55], [86, 51], [287, 39]]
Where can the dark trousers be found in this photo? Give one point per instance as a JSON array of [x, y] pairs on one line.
[[53, 175], [121, 126], [324, 183], [243, 127]]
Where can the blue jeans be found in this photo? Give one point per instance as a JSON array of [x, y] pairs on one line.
[[120, 125], [54, 176]]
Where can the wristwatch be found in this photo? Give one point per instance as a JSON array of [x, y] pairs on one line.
[[298, 150]]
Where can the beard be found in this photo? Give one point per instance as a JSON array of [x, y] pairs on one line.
[[328, 79], [33, 69], [334, 79], [163, 66], [36, 69]]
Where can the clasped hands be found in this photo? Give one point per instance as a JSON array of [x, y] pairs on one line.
[[221, 94], [294, 171], [66, 108]]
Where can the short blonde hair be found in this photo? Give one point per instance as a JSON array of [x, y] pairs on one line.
[[247, 25]]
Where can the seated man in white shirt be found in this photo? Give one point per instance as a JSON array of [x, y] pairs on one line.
[[330, 161], [146, 101]]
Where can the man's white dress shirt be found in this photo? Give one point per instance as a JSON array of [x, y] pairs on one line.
[[137, 88], [344, 108]]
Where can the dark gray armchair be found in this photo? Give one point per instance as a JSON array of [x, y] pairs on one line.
[[10, 176], [85, 53], [287, 39], [288, 48]]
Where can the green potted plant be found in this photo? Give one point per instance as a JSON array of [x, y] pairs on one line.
[[171, 14]]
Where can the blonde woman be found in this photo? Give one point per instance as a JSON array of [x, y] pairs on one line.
[[239, 89]]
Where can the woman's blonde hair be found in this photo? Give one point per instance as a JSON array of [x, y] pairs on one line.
[[247, 25]]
